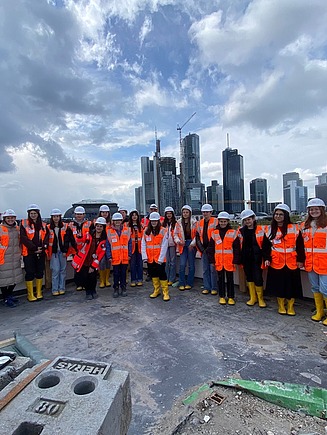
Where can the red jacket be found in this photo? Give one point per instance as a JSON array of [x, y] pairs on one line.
[[79, 258]]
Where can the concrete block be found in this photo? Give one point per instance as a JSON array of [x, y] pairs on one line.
[[71, 396], [13, 369]]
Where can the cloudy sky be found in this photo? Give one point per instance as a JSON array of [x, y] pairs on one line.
[[85, 83]]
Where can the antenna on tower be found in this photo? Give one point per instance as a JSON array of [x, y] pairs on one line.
[[227, 138]]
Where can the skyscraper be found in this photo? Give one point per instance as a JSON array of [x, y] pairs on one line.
[[258, 195], [192, 190], [233, 181], [321, 187], [295, 194], [215, 196], [168, 184]]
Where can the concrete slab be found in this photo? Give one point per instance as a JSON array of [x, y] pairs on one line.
[[169, 347]]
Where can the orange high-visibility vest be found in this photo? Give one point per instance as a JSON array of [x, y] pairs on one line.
[[179, 233], [153, 245], [4, 242], [139, 239], [79, 243], [62, 232], [79, 258], [30, 231], [213, 222], [119, 245], [315, 246], [224, 250], [283, 249]]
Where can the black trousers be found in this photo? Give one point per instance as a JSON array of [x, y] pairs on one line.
[[119, 271], [7, 291], [88, 280], [253, 273], [157, 271], [229, 277], [34, 266]]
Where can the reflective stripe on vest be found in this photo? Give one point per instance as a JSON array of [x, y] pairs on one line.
[[153, 246], [315, 246], [62, 231], [119, 245], [30, 231], [224, 250], [283, 250], [4, 242]]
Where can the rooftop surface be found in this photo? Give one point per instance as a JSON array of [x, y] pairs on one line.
[[170, 347]]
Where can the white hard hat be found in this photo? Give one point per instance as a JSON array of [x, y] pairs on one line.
[[154, 216], [33, 207], [316, 202], [206, 207], [283, 207], [79, 209], [169, 209], [153, 206], [187, 207], [223, 215], [101, 221], [247, 213], [133, 211], [117, 217], [9, 212], [55, 211], [104, 208], [122, 209]]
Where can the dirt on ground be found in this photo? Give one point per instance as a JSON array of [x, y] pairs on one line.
[[239, 413]]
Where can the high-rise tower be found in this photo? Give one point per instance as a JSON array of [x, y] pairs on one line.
[[233, 180], [258, 195]]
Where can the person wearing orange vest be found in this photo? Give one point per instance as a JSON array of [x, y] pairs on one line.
[[87, 260], [60, 238], [184, 237], [10, 255], [254, 247], [136, 264], [79, 226], [287, 257], [104, 271], [145, 220], [170, 224], [204, 231], [314, 234], [225, 246], [34, 237], [154, 247], [119, 251]]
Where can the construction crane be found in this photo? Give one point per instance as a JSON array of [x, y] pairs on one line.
[[181, 150]]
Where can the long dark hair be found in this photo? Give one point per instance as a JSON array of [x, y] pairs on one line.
[[52, 224], [131, 222], [321, 221], [103, 233], [108, 218], [154, 230], [38, 224], [274, 226], [173, 221]]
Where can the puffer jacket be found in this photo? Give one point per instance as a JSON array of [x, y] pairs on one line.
[[10, 271]]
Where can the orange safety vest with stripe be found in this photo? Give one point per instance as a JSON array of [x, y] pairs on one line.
[[30, 232], [78, 239], [153, 245], [119, 245], [62, 231], [180, 236], [259, 235], [315, 246], [4, 242], [213, 222], [139, 239], [224, 250], [283, 249], [79, 258]]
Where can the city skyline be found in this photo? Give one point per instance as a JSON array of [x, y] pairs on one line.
[[85, 85]]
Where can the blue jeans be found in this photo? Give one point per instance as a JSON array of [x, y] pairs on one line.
[[210, 277], [318, 283], [187, 256], [119, 271], [58, 265], [171, 263], [136, 266]]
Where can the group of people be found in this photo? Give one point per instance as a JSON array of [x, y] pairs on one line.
[[121, 241]]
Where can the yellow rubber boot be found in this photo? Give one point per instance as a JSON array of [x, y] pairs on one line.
[[165, 290], [325, 321], [107, 275], [30, 294], [319, 302], [102, 274], [290, 307], [261, 302], [156, 286], [281, 305], [38, 285], [253, 296]]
